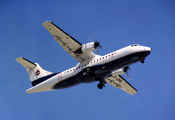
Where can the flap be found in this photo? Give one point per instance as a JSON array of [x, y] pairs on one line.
[[119, 82]]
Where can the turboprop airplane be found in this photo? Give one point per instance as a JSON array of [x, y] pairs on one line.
[[91, 67]]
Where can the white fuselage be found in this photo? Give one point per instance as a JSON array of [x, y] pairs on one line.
[[97, 60]]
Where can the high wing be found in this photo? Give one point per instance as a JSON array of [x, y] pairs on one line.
[[67, 42], [119, 82]]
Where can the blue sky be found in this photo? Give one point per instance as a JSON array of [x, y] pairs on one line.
[[118, 23]]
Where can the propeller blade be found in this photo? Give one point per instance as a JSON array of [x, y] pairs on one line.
[[129, 68], [127, 75], [95, 37], [126, 71], [101, 47], [96, 44], [97, 51], [91, 39]]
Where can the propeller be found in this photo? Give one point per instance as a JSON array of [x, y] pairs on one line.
[[126, 71], [96, 43]]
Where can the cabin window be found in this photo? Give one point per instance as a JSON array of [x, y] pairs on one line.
[[103, 57], [91, 62], [97, 59], [87, 63], [82, 66], [79, 66], [106, 56], [100, 58], [94, 60], [67, 71]]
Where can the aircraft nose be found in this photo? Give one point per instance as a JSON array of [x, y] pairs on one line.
[[148, 49]]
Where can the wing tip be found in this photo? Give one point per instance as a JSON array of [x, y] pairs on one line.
[[133, 92], [17, 59], [46, 22]]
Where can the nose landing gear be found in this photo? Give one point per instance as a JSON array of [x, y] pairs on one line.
[[142, 59]]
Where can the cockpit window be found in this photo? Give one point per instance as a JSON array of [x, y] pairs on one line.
[[135, 45]]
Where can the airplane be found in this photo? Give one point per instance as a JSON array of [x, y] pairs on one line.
[[91, 67]]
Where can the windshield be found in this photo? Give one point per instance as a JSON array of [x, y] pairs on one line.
[[135, 45]]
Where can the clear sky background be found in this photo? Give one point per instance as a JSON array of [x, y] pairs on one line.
[[118, 23]]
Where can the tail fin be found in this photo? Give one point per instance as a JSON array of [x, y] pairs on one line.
[[35, 72]]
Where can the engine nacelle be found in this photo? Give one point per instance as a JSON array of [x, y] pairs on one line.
[[118, 72], [88, 47]]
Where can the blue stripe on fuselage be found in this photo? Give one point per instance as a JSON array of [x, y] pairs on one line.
[[40, 80]]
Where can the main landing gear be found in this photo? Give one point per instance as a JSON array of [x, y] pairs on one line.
[[101, 84]]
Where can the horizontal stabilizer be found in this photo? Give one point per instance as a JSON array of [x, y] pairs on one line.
[[26, 63]]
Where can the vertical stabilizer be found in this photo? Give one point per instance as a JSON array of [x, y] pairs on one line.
[[34, 70]]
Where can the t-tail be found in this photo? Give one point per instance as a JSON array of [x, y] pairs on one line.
[[36, 74]]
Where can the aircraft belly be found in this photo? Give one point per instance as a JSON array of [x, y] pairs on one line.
[[69, 82], [99, 73], [77, 79]]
